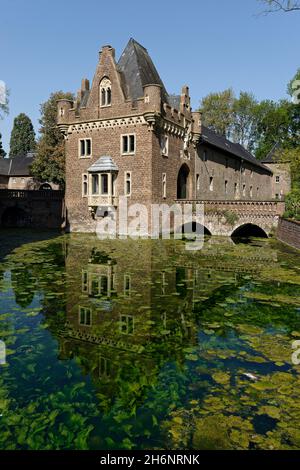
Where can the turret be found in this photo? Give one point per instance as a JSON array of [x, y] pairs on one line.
[[152, 100], [63, 108]]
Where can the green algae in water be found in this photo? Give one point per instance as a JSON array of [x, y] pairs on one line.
[[167, 349]]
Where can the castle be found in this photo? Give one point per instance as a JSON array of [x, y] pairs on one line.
[[126, 136]]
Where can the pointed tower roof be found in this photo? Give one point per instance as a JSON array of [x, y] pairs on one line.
[[138, 70]]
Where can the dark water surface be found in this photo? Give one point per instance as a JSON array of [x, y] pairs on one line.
[[143, 345]]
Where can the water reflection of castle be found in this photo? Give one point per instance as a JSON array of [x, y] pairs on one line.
[[135, 304]]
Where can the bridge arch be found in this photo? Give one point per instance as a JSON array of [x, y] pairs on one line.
[[14, 216], [247, 230], [183, 182], [193, 226]]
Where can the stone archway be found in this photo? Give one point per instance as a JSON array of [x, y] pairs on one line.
[[249, 230], [183, 182], [15, 217]]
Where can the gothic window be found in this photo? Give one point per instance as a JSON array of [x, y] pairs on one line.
[[105, 92]]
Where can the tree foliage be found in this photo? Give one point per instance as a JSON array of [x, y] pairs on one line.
[[2, 151], [49, 164], [217, 111], [22, 138]]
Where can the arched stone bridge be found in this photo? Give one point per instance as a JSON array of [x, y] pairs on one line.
[[31, 208], [239, 218]]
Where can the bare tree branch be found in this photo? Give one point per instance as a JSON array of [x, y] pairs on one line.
[[281, 5]]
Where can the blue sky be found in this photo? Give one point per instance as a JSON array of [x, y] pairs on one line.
[[49, 45]]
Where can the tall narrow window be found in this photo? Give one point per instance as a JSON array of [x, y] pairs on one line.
[[277, 179], [105, 92], [205, 156], [235, 189], [198, 182], [84, 185], [226, 162], [128, 144], [251, 191], [164, 145], [127, 285], [127, 183], [104, 183], [164, 185], [95, 184], [226, 186], [211, 183], [244, 189]]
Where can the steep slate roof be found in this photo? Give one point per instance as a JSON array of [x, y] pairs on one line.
[[210, 137], [138, 70], [16, 166]]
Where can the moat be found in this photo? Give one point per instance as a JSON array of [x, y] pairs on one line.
[[121, 344]]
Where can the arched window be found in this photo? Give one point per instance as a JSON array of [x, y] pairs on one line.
[[105, 92]]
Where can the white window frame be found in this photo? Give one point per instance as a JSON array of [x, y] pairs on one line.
[[164, 145], [84, 139], [85, 175], [277, 179], [125, 183], [121, 144]]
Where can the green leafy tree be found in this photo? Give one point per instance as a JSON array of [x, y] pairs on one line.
[[2, 151], [217, 109], [244, 120], [49, 163], [22, 138], [293, 87], [273, 125]]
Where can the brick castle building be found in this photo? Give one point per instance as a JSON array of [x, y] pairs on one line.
[[126, 136]]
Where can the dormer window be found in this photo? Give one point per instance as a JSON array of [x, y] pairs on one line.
[[105, 92]]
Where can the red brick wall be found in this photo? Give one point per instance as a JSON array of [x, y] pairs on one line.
[[289, 232]]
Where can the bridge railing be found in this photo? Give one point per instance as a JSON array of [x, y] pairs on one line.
[[241, 207], [31, 194]]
